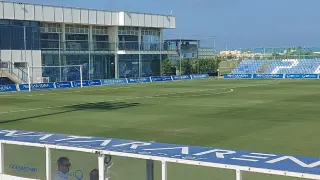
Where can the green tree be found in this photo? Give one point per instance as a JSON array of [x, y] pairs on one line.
[[167, 67]]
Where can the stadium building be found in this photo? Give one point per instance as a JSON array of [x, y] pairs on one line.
[[188, 49], [107, 44]]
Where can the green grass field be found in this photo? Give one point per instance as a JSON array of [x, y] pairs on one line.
[[271, 116]]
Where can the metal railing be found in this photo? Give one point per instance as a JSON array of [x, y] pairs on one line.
[[18, 72], [74, 45]]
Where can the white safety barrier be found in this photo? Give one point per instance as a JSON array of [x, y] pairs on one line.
[[239, 161]]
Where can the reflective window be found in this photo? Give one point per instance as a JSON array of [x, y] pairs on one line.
[[19, 35], [128, 31], [100, 30], [77, 29], [50, 28]]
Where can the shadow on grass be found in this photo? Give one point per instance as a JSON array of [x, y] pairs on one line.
[[100, 106]]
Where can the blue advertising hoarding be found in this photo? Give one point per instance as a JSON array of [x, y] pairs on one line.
[[270, 161], [267, 76], [183, 77], [200, 76], [161, 78], [293, 76], [139, 80], [310, 76], [37, 86], [113, 81], [8, 88], [61, 85], [237, 76], [78, 83], [94, 83]]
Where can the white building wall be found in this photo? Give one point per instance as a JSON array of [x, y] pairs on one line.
[[21, 11], [29, 12], [32, 57]]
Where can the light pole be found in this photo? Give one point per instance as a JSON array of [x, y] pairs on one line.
[[180, 53], [25, 50], [214, 44]]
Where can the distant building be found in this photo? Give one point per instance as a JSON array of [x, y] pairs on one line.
[[204, 53], [107, 44], [188, 49]]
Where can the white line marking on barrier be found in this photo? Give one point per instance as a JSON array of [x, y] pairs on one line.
[[243, 159], [138, 97]]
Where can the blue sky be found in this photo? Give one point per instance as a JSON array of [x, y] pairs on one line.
[[237, 23]]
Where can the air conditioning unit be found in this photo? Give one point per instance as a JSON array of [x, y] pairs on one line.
[[45, 79]]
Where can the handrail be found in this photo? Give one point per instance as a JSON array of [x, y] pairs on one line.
[[16, 71]]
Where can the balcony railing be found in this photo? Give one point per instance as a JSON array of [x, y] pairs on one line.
[[53, 45]]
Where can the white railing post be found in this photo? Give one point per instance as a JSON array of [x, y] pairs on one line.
[[29, 78], [1, 159], [48, 163], [101, 167], [149, 170], [238, 175], [164, 170]]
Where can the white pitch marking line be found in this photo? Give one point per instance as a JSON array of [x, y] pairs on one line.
[[130, 98]]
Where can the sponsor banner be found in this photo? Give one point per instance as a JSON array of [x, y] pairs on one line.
[[200, 76], [184, 77], [161, 78], [113, 81], [267, 76], [8, 88], [22, 168], [60, 85], [94, 83], [310, 76], [139, 80], [266, 161], [86, 83], [78, 83], [37, 86], [78, 174], [237, 76], [293, 76]]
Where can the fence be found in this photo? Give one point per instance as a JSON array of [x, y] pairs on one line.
[[271, 76], [152, 152], [85, 83]]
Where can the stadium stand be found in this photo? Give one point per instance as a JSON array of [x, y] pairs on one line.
[[287, 66]]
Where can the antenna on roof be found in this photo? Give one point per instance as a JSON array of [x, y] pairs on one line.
[[170, 12]]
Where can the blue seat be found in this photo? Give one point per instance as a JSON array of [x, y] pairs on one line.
[[301, 66]]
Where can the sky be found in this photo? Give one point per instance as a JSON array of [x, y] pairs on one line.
[[233, 23]]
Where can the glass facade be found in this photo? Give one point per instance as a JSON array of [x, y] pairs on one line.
[[50, 36], [91, 47], [128, 38], [99, 67], [77, 37], [19, 35], [131, 66], [100, 38], [150, 39]]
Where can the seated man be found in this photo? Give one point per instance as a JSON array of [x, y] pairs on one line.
[[63, 168]]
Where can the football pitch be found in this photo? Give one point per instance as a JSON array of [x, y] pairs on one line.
[[269, 116]]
